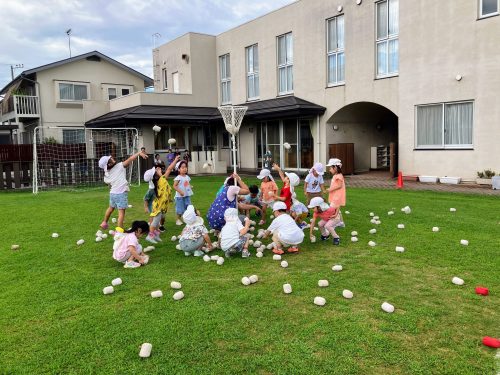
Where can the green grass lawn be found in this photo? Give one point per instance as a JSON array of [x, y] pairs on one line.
[[55, 319]]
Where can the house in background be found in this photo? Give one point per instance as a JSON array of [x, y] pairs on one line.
[[381, 84], [52, 95]]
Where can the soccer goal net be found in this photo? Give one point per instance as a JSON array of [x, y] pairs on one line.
[[68, 157]]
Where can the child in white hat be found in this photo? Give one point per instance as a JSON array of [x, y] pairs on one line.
[[290, 181], [268, 190], [336, 196], [194, 235], [285, 232], [232, 236], [329, 219], [314, 185]]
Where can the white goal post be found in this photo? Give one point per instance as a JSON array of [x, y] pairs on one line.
[[67, 157], [233, 117]]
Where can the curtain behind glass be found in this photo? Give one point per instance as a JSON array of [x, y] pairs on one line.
[[382, 20], [381, 58], [65, 91], [393, 17], [429, 125], [289, 48], [281, 50], [332, 38], [458, 124], [393, 56], [340, 32]]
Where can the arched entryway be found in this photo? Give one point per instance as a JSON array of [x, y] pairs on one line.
[[365, 136]]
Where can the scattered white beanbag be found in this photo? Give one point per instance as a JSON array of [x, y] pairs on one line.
[[287, 288], [245, 281], [453, 209], [323, 283], [254, 279], [104, 236], [98, 239], [276, 257], [372, 214], [220, 261], [390, 213], [457, 281], [257, 244], [387, 307], [206, 258], [354, 239], [354, 233], [347, 294], [108, 290], [55, 235], [174, 238], [175, 285], [116, 281], [79, 242], [319, 301], [259, 254], [373, 231], [148, 249], [145, 350], [156, 129], [214, 258], [178, 295], [157, 294], [178, 247], [401, 226], [284, 264], [372, 244], [113, 220], [347, 212], [337, 268], [400, 249], [435, 229], [464, 242]]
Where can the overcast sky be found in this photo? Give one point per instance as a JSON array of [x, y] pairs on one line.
[[32, 32]]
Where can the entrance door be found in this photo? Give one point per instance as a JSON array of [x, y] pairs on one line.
[[344, 152]]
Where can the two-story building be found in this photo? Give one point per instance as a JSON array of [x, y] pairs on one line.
[[52, 95], [385, 84]]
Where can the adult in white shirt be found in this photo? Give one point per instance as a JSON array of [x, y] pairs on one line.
[[285, 232], [115, 175]]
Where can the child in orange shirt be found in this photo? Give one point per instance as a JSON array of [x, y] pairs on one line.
[[268, 190], [336, 196]]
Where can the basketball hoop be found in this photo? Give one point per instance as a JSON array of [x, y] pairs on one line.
[[233, 117]]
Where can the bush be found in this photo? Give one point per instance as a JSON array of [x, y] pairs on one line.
[[487, 173]]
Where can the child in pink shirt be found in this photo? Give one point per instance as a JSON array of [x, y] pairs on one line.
[[336, 196], [126, 248], [329, 219]]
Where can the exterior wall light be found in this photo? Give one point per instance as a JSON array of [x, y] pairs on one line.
[[458, 77]]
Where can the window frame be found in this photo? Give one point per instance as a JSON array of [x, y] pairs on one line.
[[116, 93], [73, 83], [487, 15], [164, 78], [253, 72], [385, 40], [225, 79], [443, 145], [176, 88], [335, 52], [288, 64]]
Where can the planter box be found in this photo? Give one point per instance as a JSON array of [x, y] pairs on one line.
[[432, 179], [450, 180], [483, 181]]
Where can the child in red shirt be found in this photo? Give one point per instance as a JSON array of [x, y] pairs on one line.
[[290, 180], [329, 219]]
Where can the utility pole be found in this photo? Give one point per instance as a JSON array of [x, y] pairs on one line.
[[68, 32], [16, 66]]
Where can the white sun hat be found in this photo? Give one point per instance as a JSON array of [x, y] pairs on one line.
[[264, 173], [149, 174], [294, 179], [318, 167], [231, 214], [190, 218], [279, 206], [334, 162], [316, 202], [103, 162]]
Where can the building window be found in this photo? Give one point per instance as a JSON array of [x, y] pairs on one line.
[[252, 63], [175, 82], [125, 92], [111, 93], [445, 125], [335, 50], [387, 38], [71, 136], [285, 64], [488, 8], [225, 79], [70, 92], [164, 79]]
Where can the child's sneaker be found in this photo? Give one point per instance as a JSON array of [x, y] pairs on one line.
[[227, 254], [278, 251], [131, 264], [336, 241], [157, 236], [179, 222], [245, 253], [151, 239], [198, 253], [104, 225], [324, 238], [293, 249], [162, 228], [302, 225], [146, 260]]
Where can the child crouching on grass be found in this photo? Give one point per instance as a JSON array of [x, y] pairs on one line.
[[126, 248], [285, 232], [329, 219], [194, 235], [299, 212], [232, 236]]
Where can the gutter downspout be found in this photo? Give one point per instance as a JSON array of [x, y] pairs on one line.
[[319, 139]]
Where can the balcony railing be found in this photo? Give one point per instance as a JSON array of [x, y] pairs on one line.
[[26, 106]]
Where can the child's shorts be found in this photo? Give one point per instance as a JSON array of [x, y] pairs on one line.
[[119, 201], [181, 204], [238, 246], [191, 245], [150, 197]]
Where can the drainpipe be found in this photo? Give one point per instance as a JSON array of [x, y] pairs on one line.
[[319, 138], [39, 101]]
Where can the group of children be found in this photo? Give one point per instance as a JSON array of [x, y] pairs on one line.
[[286, 228]]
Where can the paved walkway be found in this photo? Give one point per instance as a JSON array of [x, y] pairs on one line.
[[382, 181]]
